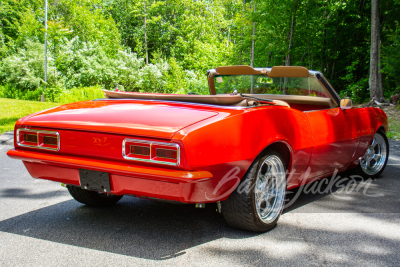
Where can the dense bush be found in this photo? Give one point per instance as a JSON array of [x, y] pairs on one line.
[[391, 59], [358, 92], [83, 64]]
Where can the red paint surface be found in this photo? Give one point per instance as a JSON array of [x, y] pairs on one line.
[[139, 118]]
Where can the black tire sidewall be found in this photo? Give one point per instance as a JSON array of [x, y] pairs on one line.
[[92, 198]]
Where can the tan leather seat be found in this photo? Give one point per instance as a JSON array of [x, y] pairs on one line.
[[299, 99], [281, 103]]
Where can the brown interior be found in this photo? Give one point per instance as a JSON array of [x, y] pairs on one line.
[[295, 100], [276, 71]]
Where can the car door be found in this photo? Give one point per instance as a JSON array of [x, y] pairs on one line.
[[336, 135]]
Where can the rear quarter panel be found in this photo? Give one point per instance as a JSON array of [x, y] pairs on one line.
[[371, 120], [228, 146]]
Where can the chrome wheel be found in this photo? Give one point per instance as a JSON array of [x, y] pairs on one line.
[[257, 203], [374, 159], [270, 189]]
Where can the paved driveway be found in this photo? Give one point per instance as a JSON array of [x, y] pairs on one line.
[[40, 224]]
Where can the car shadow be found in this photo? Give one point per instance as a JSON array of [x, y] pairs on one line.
[[133, 227], [352, 196]]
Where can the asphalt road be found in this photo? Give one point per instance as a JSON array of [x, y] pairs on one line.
[[40, 224]]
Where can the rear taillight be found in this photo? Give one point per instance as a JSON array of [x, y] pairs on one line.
[[140, 150], [166, 153], [30, 138], [148, 151], [38, 139]]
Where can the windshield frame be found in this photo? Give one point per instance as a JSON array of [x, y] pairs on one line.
[[264, 71]]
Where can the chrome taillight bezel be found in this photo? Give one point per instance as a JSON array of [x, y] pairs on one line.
[[38, 133], [153, 146]]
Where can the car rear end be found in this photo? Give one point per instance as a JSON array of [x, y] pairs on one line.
[[112, 149]]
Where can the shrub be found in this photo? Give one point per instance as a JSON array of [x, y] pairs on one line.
[[79, 94], [358, 92], [84, 64], [53, 94]]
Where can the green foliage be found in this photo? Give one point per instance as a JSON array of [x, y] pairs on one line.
[[79, 94], [391, 58], [192, 32], [358, 92], [97, 42], [87, 19], [24, 69], [53, 94], [28, 28]]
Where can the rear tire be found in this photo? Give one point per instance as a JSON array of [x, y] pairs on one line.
[[375, 158], [257, 202], [92, 198]]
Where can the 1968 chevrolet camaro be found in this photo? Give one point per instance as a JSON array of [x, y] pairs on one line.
[[260, 132]]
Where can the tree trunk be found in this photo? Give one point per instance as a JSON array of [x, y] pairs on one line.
[[380, 82], [252, 49], [288, 61], [241, 35], [229, 34], [374, 86], [145, 36]]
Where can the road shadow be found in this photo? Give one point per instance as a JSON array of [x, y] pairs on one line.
[[347, 192], [354, 195], [133, 227], [26, 194]]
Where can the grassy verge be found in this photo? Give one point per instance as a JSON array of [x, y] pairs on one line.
[[393, 114], [11, 110], [58, 94]]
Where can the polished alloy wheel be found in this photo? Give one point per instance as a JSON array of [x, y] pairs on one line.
[[270, 189], [375, 158]]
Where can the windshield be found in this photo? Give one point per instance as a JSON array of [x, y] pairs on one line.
[[260, 84]]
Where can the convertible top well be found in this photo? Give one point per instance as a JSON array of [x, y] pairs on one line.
[[224, 100]]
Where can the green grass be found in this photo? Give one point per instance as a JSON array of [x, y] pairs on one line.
[[79, 94], [11, 110], [394, 123]]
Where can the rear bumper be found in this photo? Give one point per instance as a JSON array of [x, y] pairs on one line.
[[168, 184]]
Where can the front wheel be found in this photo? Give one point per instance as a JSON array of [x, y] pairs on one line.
[[257, 203], [92, 198], [375, 158]]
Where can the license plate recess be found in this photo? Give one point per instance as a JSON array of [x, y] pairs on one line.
[[95, 180]]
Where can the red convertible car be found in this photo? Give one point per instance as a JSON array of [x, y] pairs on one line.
[[260, 132]]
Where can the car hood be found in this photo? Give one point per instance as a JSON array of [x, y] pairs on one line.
[[141, 118]]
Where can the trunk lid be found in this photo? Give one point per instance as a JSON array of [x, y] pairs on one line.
[[140, 118]]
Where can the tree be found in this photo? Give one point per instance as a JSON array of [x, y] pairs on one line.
[[375, 86]]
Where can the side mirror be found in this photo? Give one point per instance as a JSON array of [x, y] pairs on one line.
[[346, 104]]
